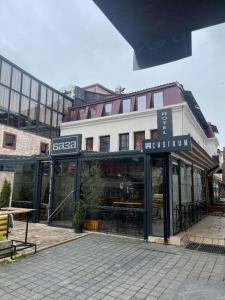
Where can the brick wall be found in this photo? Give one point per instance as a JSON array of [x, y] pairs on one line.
[[26, 143]]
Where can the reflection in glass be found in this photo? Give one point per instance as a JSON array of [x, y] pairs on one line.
[[186, 183], [16, 79], [49, 97], [26, 85], [15, 102], [43, 94], [141, 103], [24, 106], [55, 101], [34, 89], [176, 206], [4, 97], [33, 110], [5, 73], [157, 197]]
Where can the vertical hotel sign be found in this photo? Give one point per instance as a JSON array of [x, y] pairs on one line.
[[165, 123], [166, 142]]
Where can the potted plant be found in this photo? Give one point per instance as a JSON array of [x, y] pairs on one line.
[[79, 216], [92, 193], [5, 194]]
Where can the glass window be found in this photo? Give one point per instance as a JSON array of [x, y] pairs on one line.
[[49, 97], [5, 73], [199, 195], [138, 140], [158, 100], [126, 105], [105, 143], [34, 89], [89, 144], [24, 106], [42, 114], [3, 117], [43, 148], [55, 101], [33, 110], [119, 184], [186, 183], [141, 103], [124, 141], [26, 85], [59, 119], [67, 104], [48, 116], [54, 118], [175, 193], [15, 102], [154, 134], [4, 97], [43, 94], [60, 107], [108, 109], [16, 80], [9, 140]]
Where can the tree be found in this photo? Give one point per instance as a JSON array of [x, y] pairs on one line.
[[5, 194], [92, 188]]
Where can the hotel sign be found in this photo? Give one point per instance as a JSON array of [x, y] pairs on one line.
[[164, 122], [65, 145], [168, 144]]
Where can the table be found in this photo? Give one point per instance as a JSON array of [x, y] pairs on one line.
[[19, 245]]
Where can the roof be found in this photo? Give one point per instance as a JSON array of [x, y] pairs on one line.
[[100, 85]]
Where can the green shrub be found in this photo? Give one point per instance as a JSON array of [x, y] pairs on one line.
[[5, 194]]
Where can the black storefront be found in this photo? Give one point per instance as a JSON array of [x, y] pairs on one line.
[[142, 193]]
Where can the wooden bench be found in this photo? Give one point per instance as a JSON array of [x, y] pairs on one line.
[[6, 246]]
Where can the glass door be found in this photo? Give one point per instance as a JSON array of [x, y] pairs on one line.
[[44, 193], [63, 192]]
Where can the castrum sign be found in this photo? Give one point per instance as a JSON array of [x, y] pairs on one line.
[[168, 144], [165, 122], [64, 145]]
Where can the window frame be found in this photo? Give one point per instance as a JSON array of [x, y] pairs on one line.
[[127, 141], [47, 147], [162, 100], [4, 145], [100, 144], [86, 143]]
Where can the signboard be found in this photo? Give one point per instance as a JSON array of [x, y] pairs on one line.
[[168, 144], [65, 145], [165, 122]]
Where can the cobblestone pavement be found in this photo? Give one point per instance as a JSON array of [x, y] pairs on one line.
[[43, 235], [107, 267]]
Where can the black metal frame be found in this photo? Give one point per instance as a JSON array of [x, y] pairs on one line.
[[37, 128]]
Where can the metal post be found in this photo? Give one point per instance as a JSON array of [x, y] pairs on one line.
[[50, 191]]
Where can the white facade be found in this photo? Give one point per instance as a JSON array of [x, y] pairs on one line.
[[184, 123]]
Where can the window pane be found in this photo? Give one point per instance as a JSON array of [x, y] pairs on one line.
[[108, 109], [60, 108], [3, 117], [33, 110], [24, 106], [34, 89], [67, 104], [138, 140], [42, 114], [89, 144], [141, 103], [49, 97], [54, 118], [55, 101], [158, 100], [59, 119], [105, 143], [43, 94], [124, 141], [4, 97], [5, 73], [126, 105], [16, 79], [26, 85], [15, 101], [48, 116]]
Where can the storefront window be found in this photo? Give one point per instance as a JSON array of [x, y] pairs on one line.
[[186, 183], [176, 198], [199, 185], [121, 186]]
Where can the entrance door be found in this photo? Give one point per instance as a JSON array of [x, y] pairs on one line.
[[159, 196], [63, 193]]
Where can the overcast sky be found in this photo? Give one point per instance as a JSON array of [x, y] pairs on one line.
[[72, 42]]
